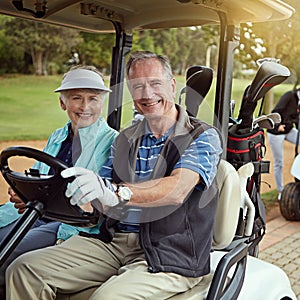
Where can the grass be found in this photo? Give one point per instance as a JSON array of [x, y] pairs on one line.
[[270, 199]]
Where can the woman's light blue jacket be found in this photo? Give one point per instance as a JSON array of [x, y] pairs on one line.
[[96, 141]]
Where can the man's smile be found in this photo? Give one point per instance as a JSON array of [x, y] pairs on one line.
[[152, 103]]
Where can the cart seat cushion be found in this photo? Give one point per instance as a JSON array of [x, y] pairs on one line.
[[228, 207]]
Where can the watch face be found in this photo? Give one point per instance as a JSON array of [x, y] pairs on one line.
[[125, 193]]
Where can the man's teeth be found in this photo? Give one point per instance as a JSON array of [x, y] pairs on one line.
[[151, 104]]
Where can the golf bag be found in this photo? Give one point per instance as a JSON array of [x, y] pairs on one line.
[[245, 147], [246, 143], [241, 149]]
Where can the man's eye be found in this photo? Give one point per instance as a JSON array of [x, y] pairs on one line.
[[138, 87], [156, 83]]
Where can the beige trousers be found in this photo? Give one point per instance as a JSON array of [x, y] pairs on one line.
[[114, 271]]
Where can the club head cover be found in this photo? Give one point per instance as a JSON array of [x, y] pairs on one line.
[[276, 117], [266, 123]]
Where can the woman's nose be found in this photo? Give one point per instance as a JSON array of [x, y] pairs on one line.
[[84, 104]]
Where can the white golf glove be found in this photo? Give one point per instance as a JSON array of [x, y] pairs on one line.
[[88, 187]]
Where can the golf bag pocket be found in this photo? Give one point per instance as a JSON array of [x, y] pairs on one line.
[[246, 147]]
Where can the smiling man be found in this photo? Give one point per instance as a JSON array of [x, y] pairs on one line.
[[157, 194], [153, 90]]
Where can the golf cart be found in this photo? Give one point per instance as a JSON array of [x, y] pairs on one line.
[[290, 206], [290, 197], [236, 272]]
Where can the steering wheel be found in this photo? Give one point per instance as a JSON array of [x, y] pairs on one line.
[[49, 190]]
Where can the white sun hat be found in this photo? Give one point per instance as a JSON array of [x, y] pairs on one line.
[[82, 79]]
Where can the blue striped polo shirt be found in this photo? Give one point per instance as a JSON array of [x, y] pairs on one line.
[[201, 156]]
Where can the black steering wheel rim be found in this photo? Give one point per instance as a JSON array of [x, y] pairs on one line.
[[46, 189], [28, 152]]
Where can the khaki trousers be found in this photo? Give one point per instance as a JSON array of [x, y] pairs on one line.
[[117, 270]]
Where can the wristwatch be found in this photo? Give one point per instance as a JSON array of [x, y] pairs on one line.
[[124, 193]]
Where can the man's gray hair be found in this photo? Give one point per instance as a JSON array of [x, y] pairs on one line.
[[143, 55]]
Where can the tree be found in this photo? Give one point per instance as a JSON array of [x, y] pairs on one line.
[[95, 49], [289, 47], [183, 46], [276, 39], [41, 41], [12, 57]]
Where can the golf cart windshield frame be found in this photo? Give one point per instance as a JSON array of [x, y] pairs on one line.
[[229, 41]]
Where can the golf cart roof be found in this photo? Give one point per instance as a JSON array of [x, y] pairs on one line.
[[100, 16]]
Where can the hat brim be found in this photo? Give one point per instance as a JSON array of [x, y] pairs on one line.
[[82, 83]]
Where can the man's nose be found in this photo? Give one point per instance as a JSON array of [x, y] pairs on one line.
[[147, 91]]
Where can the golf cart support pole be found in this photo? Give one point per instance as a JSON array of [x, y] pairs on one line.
[[298, 138], [33, 211], [298, 133], [229, 41], [119, 52]]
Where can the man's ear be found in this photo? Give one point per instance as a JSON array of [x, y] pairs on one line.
[[174, 86], [62, 104]]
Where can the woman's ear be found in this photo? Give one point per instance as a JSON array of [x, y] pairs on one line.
[[62, 104]]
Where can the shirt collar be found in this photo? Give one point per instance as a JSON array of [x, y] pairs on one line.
[[150, 134]]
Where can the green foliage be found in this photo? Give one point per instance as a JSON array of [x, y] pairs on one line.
[[40, 42], [183, 46], [278, 39], [12, 57], [96, 50], [34, 47], [143, 40]]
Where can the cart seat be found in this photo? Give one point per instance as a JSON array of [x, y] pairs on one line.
[[198, 83]]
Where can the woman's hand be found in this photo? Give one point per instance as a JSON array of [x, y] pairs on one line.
[[18, 203]]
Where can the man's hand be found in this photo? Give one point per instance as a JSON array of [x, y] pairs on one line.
[[86, 187], [18, 203]]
